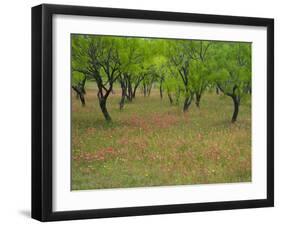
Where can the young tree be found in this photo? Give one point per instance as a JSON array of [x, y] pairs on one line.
[[130, 68], [78, 85], [98, 58], [199, 79], [159, 69], [180, 60], [150, 77], [233, 71], [173, 87], [199, 70]]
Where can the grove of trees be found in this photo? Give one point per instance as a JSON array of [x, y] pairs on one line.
[[182, 70]]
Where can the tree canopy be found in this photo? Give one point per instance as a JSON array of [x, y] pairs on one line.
[[181, 69]]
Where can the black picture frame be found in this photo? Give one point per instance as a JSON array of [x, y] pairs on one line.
[[42, 111]]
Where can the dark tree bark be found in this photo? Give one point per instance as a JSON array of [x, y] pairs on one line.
[[161, 86], [149, 89], [198, 98], [137, 83], [144, 90], [236, 103], [217, 90], [130, 91], [82, 99], [248, 88], [122, 102], [80, 91], [79, 94], [135, 89], [177, 95], [106, 115], [170, 98], [128, 88], [161, 91], [134, 92], [82, 85], [235, 99], [187, 103], [148, 92], [123, 95], [102, 103]]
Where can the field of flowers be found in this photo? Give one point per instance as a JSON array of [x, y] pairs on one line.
[[151, 143]]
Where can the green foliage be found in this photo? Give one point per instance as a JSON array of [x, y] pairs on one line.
[[77, 77], [183, 69], [151, 142], [232, 67]]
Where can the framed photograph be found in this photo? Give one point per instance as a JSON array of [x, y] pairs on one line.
[[145, 112]]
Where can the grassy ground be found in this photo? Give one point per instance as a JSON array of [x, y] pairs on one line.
[[151, 143]]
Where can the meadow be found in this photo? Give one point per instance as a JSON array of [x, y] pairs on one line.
[[153, 143]]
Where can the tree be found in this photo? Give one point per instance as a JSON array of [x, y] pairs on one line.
[[99, 59], [233, 71], [199, 70], [78, 85], [150, 77], [159, 62], [183, 69], [180, 60], [173, 87], [200, 76], [130, 68]]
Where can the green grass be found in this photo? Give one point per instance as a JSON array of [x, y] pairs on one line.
[[151, 143]]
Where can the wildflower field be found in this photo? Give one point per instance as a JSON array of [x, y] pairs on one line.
[[153, 143], [158, 111]]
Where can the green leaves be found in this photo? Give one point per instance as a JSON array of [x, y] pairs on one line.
[[183, 68], [77, 77], [232, 67]]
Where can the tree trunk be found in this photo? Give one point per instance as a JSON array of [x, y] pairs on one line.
[[187, 103], [130, 92], [161, 91], [149, 90], [102, 102], [83, 85], [198, 98], [144, 90], [122, 102], [82, 99], [134, 92], [217, 91], [177, 96], [80, 95], [123, 96], [235, 99], [170, 98], [236, 104]]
